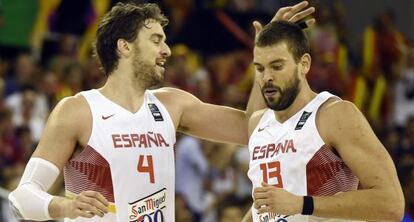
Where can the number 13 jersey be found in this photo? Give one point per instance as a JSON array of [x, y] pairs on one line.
[[129, 159], [292, 155]]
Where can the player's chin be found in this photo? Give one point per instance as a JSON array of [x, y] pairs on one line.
[[273, 98], [160, 69], [158, 78]]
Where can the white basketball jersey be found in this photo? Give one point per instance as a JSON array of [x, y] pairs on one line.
[[292, 155], [129, 159]]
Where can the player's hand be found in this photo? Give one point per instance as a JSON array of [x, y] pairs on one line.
[[277, 200], [292, 14], [86, 204]]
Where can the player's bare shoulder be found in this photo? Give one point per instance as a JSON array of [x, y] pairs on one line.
[[69, 123], [334, 110], [174, 101], [74, 108], [72, 113], [255, 119], [335, 117], [172, 95]]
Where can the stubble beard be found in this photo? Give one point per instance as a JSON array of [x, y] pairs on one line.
[[145, 74], [286, 97]]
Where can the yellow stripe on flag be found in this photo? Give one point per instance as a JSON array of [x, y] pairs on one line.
[[100, 6], [368, 50], [377, 97], [343, 61], [41, 27], [360, 92]]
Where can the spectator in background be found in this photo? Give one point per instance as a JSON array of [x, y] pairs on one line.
[[243, 189], [230, 210], [407, 143], [29, 108], [65, 56], [24, 73], [191, 170], [404, 90]]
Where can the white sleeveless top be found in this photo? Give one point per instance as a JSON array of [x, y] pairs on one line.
[[129, 159], [293, 156]]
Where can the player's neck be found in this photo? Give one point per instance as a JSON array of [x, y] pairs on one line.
[[123, 91], [302, 99]]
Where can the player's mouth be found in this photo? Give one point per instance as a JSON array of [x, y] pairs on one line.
[[269, 92], [160, 63]]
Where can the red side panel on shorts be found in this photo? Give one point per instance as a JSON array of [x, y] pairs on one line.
[[89, 171], [327, 174]]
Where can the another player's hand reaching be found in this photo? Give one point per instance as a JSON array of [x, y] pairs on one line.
[[276, 200], [293, 13]]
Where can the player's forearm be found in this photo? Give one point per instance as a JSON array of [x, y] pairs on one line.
[[370, 204], [256, 101]]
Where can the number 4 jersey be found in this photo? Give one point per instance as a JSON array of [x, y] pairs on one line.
[[292, 155], [129, 159]]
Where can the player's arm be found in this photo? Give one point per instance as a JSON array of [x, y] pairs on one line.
[[203, 120], [63, 130], [344, 127]]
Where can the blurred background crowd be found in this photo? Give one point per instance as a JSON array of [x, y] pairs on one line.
[[363, 53]]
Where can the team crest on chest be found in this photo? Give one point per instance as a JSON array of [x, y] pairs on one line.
[[155, 112], [302, 120]]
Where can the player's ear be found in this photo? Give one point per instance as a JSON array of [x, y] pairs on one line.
[[124, 48], [305, 63]]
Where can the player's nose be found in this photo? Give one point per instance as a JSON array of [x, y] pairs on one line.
[[267, 76], [166, 51]]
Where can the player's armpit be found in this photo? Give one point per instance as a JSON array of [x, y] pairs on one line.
[[344, 127]]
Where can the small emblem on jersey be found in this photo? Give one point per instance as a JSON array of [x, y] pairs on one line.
[[107, 117], [155, 112], [302, 120], [260, 129], [149, 207]]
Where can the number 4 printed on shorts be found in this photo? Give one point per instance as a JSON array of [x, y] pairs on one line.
[[149, 168]]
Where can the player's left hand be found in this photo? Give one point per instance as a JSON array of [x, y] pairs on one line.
[[293, 14], [276, 200]]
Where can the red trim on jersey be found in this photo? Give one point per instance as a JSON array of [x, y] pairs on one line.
[[327, 174], [89, 170]]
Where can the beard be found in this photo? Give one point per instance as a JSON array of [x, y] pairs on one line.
[[287, 95], [145, 74]]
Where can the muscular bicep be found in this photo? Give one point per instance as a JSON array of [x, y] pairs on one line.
[[345, 128], [62, 131]]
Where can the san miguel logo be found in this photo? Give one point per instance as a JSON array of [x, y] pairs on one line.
[[149, 208]]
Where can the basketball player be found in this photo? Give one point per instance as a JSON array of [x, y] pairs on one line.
[[309, 152], [115, 144]]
